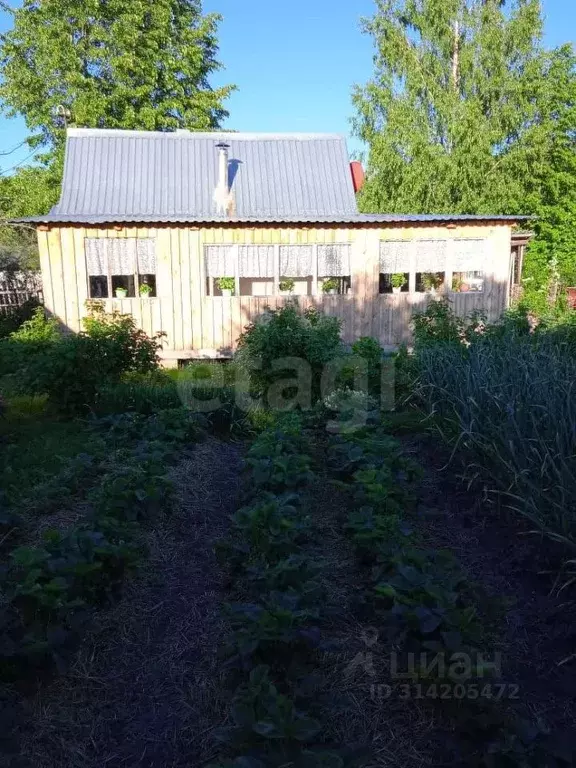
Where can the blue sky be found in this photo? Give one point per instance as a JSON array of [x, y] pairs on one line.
[[295, 63]]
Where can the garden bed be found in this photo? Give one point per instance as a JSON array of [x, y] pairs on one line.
[[143, 689]]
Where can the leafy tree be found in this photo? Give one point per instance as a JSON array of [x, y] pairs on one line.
[[454, 112], [28, 192], [113, 64], [468, 113]]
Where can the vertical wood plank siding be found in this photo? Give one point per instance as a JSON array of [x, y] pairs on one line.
[[197, 324]]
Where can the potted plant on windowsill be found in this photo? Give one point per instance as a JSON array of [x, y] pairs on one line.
[[226, 285], [398, 281], [121, 293], [431, 282], [286, 285], [145, 290], [330, 286]]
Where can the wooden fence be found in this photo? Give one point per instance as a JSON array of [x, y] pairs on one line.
[[16, 289]]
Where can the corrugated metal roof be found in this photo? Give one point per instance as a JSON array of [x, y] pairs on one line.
[[115, 176], [137, 175]]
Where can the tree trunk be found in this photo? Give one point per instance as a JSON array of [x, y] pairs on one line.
[[456, 56]]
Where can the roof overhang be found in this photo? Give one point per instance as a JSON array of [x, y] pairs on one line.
[[305, 220]]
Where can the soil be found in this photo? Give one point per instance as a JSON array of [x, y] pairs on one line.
[[144, 688], [537, 638]]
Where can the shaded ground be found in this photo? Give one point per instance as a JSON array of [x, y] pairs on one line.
[[143, 690], [499, 554], [401, 735]]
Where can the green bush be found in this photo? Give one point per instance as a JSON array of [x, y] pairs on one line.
[[38, 329], [34, 336], [121, 347], [73, 370], [310, 337], [11, 321], [437, 323]]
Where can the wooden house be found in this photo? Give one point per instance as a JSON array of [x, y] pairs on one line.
[[195, 234]]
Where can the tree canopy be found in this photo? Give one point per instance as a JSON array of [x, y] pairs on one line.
[[113, 63], [131, 64], [467, 112]]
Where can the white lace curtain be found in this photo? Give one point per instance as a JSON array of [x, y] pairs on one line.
[[469, 256], [395, 257], [430, 255], [333, 260], [296, 260], [256, 261], [122, 255]]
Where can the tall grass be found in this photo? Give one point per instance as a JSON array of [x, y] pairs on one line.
[[509, 405]]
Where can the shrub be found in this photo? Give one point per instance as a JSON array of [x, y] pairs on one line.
[[14, 319], [437, 323], [364, 369], [285, 333], [38, 329], [34, 336], [121, 346], [74, 369]]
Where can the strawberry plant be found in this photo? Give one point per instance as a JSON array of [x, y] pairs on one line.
[[260, 714], [278, 625]]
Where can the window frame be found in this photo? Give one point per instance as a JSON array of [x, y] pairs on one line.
[[445, 268], [109, 275], [316, 281]]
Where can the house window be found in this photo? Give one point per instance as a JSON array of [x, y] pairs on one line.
[[256, 270], [267, 270], [430, 260], [334, 269], [121, 267], [240, 270], [395, 266], [297, 270], [468, 260]]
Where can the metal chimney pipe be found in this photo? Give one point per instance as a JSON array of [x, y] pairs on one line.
[[222, 191], [223, 148]]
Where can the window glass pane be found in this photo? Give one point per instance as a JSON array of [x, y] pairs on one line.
[[429, 282], [147, 287], [122, 256], [465, 282], [98, 286], [146, 253], [219, 260], [430, 256], [394, 283], [469, 255], [96, 256], [296, 260], [335, 285], [123, 286]]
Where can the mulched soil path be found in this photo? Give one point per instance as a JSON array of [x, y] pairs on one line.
[[144, 688], [499, 554]]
